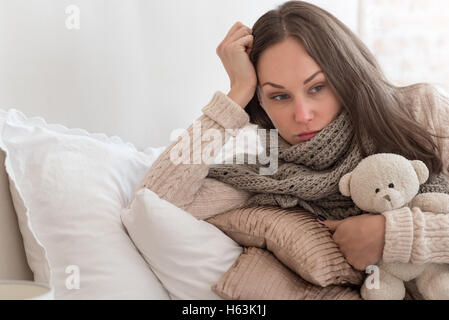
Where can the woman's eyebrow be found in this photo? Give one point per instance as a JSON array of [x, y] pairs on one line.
[[312, 77], [305, 82]]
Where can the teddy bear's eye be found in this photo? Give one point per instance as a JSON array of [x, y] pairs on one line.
[[391, 186], [377, 190]]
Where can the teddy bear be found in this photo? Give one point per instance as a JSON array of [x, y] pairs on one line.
[[385, 182]]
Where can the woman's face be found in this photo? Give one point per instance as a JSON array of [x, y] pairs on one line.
[[294, 93]]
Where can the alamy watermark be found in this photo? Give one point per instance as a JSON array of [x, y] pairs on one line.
[[73, 280], [189, 149], [73, 21], [373, 279]]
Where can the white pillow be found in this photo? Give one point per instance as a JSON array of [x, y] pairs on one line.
[[68, 188], [186, 254]]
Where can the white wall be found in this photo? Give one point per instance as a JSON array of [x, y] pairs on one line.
[[409, 38], [136, 69]]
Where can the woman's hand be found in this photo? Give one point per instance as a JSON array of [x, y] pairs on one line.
[[234, 53], [361, 239]]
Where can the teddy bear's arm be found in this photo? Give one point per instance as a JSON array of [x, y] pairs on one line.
[[432, 202]]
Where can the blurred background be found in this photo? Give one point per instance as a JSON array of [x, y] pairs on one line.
[[139, 69]]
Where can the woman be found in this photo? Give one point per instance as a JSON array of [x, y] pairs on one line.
[[304, 73]]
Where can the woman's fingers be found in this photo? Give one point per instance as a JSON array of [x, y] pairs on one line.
[[241, 32], [245, 42], [233, 29], [234, 54], [331, 224]]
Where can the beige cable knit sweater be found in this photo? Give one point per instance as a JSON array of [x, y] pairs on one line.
[[411, 235]]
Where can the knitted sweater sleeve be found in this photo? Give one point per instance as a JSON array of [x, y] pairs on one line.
[[411, 235], [185, 184]]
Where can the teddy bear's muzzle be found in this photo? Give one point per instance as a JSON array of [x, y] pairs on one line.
[[388, 199]]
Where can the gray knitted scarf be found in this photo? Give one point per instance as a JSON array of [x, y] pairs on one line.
[[309, 173]]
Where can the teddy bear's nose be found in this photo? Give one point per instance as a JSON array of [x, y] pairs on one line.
[[387, 197]]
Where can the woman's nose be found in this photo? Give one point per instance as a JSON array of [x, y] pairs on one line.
[[303, 113]]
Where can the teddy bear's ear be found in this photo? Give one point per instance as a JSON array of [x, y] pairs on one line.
[[421, 170], [345, 185]]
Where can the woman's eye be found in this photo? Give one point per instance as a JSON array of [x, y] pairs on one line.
[[275, 97], [314, 90], [317, 89]]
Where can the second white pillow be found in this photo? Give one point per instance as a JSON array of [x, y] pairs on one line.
[[187, 255]]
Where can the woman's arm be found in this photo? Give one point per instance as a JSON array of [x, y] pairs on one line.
[[185, 184], [403, 235], [180, 184], [412, 235]]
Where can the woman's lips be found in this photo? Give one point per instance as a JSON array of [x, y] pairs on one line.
[[308, 137]]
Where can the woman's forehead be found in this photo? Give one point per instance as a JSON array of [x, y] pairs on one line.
[[286, 61]]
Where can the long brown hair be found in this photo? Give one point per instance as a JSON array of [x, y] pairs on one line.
[[376, 106]]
